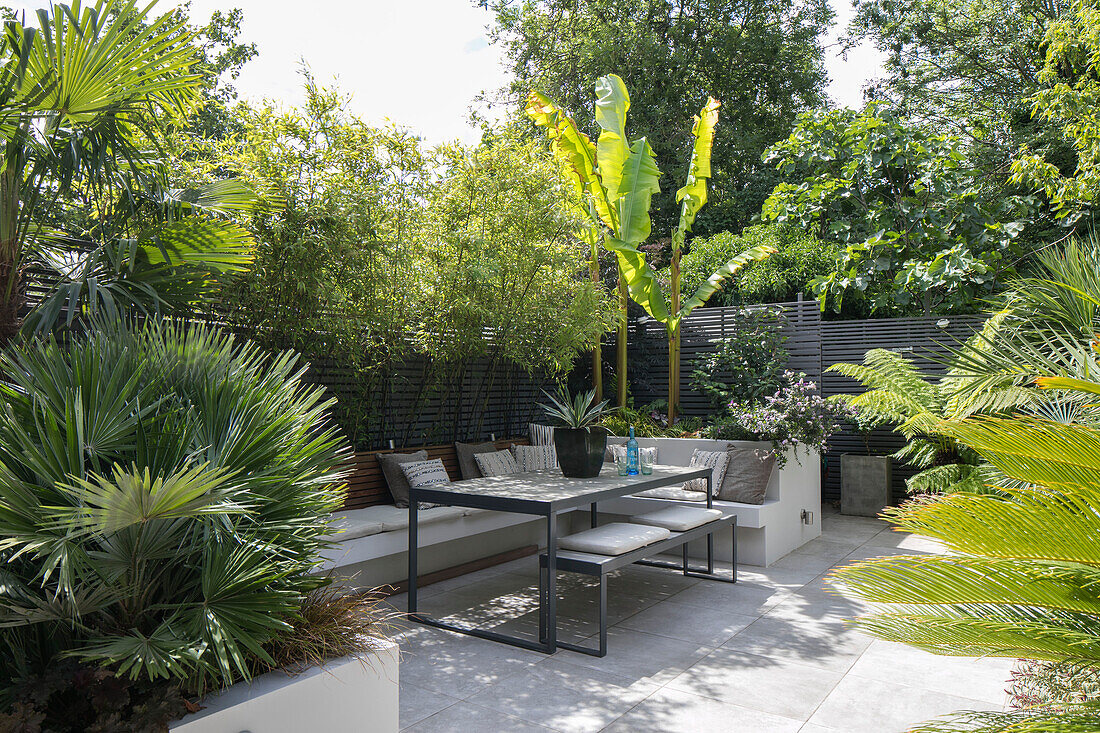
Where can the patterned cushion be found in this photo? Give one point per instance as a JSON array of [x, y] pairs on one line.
[[535, 457], [467, 466], [540, 434], [497, 463], [747, 475], [644, 454], [395, 477], [716, 460], [425, 473]]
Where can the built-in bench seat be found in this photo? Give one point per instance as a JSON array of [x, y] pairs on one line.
[[371, 528], [789, 517]]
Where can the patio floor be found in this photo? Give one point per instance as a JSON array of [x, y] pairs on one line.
[[771, 653]]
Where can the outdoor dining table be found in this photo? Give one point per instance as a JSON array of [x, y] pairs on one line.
[[541, 493]]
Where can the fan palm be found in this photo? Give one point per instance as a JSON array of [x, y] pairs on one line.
[[83, 97], [164, 496]]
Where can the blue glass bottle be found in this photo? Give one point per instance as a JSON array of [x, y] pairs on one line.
[[632, 454]]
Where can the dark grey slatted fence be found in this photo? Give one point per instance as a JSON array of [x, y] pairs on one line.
[[648, 350], [813, 345], [414, 404]]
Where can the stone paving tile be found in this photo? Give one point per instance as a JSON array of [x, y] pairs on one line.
[[788, 661], [673, 711], [862, 705], [697, 624], [465, 717], [565, 697], [768, 684], [977, 679], [418, 703]]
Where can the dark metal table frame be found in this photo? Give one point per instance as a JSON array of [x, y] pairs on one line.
[[550, 508]]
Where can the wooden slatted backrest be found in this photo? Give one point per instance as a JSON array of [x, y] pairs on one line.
[[367, 485]]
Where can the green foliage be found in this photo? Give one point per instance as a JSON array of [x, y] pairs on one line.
[[747, 366], [918, 229], [799, 257], [1068, 100], [649, 422], [165, 495], [73, 698], [938, 63], [899, 395], [375, 251], [763, 59], [580, 411]]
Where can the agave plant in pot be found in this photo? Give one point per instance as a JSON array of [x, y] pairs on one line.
[[580, 443]]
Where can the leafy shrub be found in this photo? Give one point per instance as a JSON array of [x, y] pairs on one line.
[[650, 421], [164, 495], [798, 259], [795, 415], [1052, 685], [747, 366], [77, 698]]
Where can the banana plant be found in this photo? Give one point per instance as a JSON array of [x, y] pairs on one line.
[[615, 179], [642, 282]]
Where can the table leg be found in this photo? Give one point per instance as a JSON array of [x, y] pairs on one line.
[[594, 516], [414, 505], [551, 583]]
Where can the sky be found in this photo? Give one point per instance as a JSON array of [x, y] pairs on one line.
[[417, 63]]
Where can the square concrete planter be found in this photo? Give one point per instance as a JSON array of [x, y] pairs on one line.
[[864, 484], [347, 694]]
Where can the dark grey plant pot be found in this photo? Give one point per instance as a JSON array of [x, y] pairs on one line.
[[580, 451], [864, 484]]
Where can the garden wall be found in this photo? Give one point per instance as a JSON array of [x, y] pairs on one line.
[[813, 345]]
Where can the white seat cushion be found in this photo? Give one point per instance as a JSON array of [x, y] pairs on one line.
[[393, 518], [355, 523], [678, 518], [616, 538], [673, 492]]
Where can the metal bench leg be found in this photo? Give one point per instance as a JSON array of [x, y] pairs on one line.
[[603, 615], [684, 547]]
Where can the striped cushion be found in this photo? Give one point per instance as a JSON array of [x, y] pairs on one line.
[[497, 463], [540, 434], [425, 473], [535, 457], [717, 461]]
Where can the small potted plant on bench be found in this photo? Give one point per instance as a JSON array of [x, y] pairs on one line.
[[580, 443]]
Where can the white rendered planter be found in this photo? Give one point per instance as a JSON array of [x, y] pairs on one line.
[[347, 694]]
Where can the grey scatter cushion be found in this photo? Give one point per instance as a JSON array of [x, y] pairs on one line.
[[535, 457], [467, 466], [540, 434], [716, 460], [395, 477], [747, 475], [425, 473], [497, 463]]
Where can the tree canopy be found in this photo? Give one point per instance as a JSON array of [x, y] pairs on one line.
[[762, 59]]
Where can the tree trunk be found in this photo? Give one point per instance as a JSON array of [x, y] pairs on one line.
[[597, 353], [674, 337], [11, 285], [620, 345]]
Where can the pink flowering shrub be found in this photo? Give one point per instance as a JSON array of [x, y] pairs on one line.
[[795, 415]]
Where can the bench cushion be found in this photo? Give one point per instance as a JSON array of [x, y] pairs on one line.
[[352, 524], [498, 463], [716, 461], [678, 518], [747, 475], [613, 539], [673, 492], [535, 457]]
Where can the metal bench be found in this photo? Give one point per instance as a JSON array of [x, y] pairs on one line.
[[600, 565]]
